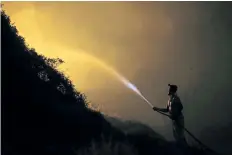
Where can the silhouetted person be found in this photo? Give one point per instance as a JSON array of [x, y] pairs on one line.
[[174, 107]]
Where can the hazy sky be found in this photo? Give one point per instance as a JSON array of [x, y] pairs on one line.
[[150, 43]]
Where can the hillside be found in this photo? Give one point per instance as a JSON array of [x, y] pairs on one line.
[[42, 113], [40, 107]]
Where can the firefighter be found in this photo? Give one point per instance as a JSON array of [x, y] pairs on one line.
[[174, 108]]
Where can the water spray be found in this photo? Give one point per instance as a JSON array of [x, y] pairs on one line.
[[89, 58], [129, 85]]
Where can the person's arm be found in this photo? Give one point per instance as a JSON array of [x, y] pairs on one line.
[[161, 109]]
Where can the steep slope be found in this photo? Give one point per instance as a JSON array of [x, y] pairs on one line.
[[40, 107]]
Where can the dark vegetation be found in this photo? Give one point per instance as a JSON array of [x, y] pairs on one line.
[[42, 113]]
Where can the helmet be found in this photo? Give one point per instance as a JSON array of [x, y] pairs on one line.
[[172, 89]]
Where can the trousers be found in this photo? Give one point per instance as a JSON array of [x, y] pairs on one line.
[[178, 131]]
